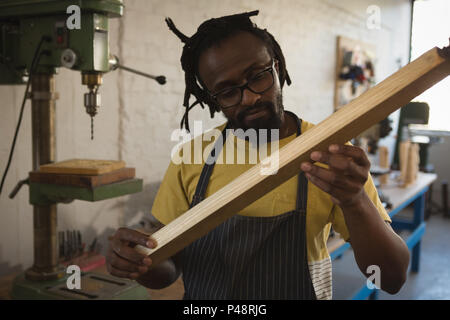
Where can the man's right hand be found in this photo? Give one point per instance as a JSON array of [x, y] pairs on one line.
[[122, 260]]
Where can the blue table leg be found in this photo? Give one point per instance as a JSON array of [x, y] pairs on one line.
[[415, 258], [419, 212]]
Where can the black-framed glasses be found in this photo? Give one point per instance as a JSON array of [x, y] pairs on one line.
[[259, 84]]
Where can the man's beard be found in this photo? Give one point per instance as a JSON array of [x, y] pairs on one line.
[[271, 121]]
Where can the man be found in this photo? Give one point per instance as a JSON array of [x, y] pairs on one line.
[[276, 247]]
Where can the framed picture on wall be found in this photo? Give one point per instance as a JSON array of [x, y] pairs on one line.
[[355, 71]]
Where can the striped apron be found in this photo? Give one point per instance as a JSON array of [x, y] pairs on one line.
[[250, 257]]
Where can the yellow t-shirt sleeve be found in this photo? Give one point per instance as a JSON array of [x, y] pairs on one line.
[[171, 200], [337, 216]]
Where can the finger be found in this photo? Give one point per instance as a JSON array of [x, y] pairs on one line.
[[123, 274], [320, 156], [124, 265], [127, 252], [324, 186], [334, 179], [359, 173], [339, 162], [348, 167], [336, 162], [135, 237], [335, 192], [356, 153], [321, 173], [342, 163]]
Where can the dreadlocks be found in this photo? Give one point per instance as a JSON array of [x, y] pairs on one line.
[[208, 34]]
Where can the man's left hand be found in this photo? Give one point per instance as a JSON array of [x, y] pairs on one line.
[[347, 173]]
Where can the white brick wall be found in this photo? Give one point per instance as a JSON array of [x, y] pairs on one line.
[[138, 115]]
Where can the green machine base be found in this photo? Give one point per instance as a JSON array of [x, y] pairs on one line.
[[94, 286], [46, 194]]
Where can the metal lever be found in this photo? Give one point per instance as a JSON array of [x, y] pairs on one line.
[[114, 64], [18, 186]]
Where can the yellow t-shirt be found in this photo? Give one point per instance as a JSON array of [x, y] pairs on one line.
[[180, 181]]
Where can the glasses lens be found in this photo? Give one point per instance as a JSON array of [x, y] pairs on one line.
[[261, 82], [229, 97]]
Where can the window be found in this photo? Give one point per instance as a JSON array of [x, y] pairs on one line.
[[431, 27]]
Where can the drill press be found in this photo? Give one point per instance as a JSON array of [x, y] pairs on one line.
[[35, 39], [24, 23]]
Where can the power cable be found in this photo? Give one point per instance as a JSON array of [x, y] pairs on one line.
[[35, 62]]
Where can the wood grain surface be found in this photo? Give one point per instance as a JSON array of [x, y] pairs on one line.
[[83, 166], [87, 181]]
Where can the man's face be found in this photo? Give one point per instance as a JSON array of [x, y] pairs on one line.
[[233, 62]]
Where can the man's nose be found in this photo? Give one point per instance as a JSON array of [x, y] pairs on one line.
[[249, 98]]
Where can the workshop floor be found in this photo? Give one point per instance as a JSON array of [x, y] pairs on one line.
[[432, 282]]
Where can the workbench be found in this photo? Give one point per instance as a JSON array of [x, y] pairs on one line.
[[400, 199]]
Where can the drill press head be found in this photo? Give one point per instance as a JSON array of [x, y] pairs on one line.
[[78, 40]]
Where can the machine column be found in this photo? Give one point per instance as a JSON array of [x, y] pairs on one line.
[[43, 97]]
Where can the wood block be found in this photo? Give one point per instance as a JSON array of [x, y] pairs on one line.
[[384, 163], [83, 166], [403, 158], [362, 113], [86, 181], [384, 157], [412, 165]]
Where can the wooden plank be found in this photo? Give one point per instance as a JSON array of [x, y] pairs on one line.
[[363, 112], [85, 181], [83, 166]]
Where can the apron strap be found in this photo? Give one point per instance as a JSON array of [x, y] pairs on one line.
[[302, 184], [207, 170]]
